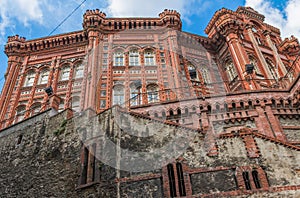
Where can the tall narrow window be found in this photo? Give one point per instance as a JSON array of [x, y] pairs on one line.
[[152, 92], [180, 180], [256, 179], [192, 72], [205, 75], [135, 93], [256, 68], [29, 79], [44, 75], [134, 58], [84, 166], [78, 71], [272, 70], [118, 58], [118, 95], [172, 183], [247, 180], [149, 57], [65, 73], [231, 71]]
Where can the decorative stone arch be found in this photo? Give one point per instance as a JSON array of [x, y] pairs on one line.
[[118, 56]]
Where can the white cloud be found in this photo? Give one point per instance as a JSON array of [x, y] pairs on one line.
[[133, 8], [286, 20], [23, 11], [121, 8]]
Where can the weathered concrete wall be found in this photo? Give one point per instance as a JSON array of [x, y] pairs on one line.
[[282, 164], [43, 163], [46, 160], [291, 128]]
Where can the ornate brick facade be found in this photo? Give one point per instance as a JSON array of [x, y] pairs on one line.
[[237, 89]]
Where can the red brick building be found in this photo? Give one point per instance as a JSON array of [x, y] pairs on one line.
[[241, 81]]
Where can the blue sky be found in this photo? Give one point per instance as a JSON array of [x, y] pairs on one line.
[[37, 18]]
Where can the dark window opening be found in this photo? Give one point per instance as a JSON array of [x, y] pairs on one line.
[[247, 180], [84, 166], [115, 25], [172, 184], [256, 179], [120, 25], [178, 112], [180, 180], [20, 137], [171, 112], [193, 73], [130, 25], [93, 165]]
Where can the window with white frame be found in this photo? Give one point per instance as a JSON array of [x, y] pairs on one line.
[[44, 75], [149, 57], [118, 95], [119, 58], [135, 94], [78, 71], [134, 58], [205, 75], [29, 79], [65, 73], [230, 70], [152, 93]]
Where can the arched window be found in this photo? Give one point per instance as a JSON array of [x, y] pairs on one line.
[[152, 93], [118, 58], [118, 95], [192, 72], [20, 113], [256, 68], [256, 179], [29, 79], [231, 71], [149, 57], [272, 69], [75, 103], [78, 71], [205, 75], [136, 93], [134, 58], [44, 75], [35, 108], [65, 73]]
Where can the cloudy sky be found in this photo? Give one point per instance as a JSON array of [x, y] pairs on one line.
[[37, 18]]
